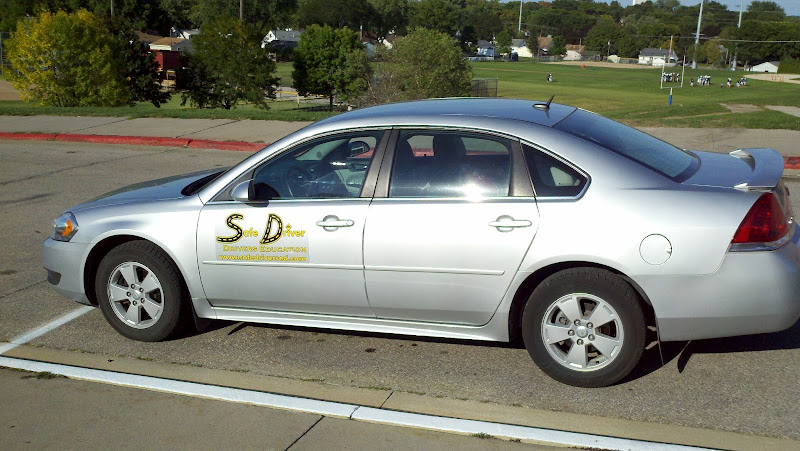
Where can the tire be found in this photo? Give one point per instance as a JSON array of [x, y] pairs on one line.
[[560, 331], [140, 292]]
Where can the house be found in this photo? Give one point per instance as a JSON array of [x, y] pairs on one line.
[[167, 53], [282, 39], [658, 57], [575, 52], [175, 32], [487, 49], [544, 45], [520, 47], [147, 38], [767, 66]]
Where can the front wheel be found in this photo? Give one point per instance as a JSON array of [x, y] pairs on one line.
[[584, 327], [140, 292]]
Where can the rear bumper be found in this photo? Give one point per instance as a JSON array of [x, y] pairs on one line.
[[752, 292], [64, 265]]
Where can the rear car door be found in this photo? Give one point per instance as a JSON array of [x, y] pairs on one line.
[[297, 248], [452, 218]]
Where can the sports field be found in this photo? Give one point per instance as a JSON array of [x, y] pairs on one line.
[[632, 95]]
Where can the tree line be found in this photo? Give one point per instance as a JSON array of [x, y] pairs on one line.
[[603, 27]]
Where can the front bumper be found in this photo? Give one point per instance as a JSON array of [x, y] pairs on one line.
[[64, 264], [752, 292]]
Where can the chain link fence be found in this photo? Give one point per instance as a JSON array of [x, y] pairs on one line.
[[483, 87]]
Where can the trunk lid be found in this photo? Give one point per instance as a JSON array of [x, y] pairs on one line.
[[757, 169]]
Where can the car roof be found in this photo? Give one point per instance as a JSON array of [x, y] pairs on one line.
[[531, 111]]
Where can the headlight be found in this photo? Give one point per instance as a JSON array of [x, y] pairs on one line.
[[64, 227]]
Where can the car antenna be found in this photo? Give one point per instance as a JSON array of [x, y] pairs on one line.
[[544, 106]]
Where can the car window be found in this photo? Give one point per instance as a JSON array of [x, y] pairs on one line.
[[331, 167], [450, 164], [646, 150], [551, 177]]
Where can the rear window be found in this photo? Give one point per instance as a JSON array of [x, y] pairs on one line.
[[640, 147]]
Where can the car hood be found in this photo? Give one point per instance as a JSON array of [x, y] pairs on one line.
[[153, 190], [746, 166]]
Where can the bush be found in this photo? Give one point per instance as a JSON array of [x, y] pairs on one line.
[[789, 65], [429, 63], [228, 66], [66, 59]]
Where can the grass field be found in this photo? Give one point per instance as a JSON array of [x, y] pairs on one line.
[[633, 96], [629, 95]]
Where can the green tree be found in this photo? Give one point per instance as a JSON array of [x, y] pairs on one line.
[[428, 63], [66, 59], [336, 13], [504, 42], [764, 11], [607, 31], [559, 46], [439, 15], [140, 68], [328, 62], [390, 15], [228, 66], [261, 14]]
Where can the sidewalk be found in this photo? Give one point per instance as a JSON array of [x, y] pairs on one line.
[[251, 135]]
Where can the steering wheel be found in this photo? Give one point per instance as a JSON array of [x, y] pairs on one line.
[[296, 180]]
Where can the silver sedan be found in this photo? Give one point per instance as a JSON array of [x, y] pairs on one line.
[[482, 219]]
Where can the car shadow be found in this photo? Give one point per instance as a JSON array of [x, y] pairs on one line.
[[654, 358]]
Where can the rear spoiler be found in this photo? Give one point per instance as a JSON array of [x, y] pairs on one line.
[[767, 165]]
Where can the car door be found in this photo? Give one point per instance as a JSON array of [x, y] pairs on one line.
[[449, 226], [296, 246]]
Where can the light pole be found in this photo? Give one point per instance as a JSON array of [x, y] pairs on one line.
[[736, 46], [520, 16], [241, 10], [697, 36]]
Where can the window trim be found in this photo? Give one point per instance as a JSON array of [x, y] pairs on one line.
[[517, 188], [224, 195], [556, 157]]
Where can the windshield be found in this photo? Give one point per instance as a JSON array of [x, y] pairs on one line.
[[640, 147]]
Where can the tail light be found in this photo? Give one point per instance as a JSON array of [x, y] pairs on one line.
[[765, 224]]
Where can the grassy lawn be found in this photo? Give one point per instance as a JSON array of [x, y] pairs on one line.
[[633, 96], [629, 95]]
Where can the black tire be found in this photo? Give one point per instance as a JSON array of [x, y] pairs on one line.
[[550, 311], [160, 311]]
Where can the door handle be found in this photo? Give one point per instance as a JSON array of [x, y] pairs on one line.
[[332, 222], [507, 223]]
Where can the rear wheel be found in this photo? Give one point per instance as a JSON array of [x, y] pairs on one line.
[[584, 327], [140, 292]]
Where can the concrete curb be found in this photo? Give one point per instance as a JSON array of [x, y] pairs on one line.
[[139, 141], [792, 163]]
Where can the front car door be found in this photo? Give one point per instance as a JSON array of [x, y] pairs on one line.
[[449, 226], [296, 247]]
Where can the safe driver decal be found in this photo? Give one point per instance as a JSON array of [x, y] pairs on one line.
[[273, 241]]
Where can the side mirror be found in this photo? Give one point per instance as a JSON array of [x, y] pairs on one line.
[[357, 148], [241, 192]]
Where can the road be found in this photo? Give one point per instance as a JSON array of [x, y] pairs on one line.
[[744, 384]]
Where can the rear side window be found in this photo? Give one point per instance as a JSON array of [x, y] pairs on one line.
[[640, 147], [551, 177]]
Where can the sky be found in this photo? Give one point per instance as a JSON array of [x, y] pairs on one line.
[[792, 7]]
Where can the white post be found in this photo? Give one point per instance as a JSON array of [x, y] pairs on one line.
[[697, 36], [736, 46], [520, 16]]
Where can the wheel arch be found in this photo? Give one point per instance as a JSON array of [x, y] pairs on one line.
[[537, 277], [101, 249]]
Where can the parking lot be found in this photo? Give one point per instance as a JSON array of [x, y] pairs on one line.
[[743, 384]]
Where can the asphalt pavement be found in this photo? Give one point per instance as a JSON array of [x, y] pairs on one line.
[[735, 393]]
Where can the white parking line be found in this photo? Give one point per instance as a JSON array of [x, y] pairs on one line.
[[39, 331], [335, 409], [314, 406]]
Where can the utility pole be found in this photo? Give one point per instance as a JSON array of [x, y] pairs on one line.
[[241, 10], [520, 15], [697, 36], [736, 51], [112, 8]]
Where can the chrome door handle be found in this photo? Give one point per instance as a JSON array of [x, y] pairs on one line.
[[332, 222], [507, 223]]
